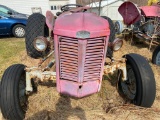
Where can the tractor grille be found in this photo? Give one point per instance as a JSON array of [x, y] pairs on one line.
[[93, 60], [70, 58]]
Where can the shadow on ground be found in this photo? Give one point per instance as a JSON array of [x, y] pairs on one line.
[[63, 111]]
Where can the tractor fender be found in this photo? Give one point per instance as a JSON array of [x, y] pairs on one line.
[[151, 11]]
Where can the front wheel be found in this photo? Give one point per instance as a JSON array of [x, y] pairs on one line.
[[13, 98], [156, 56], [140, 87]]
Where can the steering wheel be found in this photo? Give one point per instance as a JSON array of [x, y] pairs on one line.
[[69, 7]]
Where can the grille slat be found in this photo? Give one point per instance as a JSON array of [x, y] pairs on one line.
[[69, 74], [90, 55], [93, 66], [69, 58], [86, 69], [69, 50], [70, 64], [95, 47], [97, 44], [68, 61], [67, 66], [65, 77], [69, 55], [92, 58], [68, 47]]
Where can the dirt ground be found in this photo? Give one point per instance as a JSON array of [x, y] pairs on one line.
[[48, 104]]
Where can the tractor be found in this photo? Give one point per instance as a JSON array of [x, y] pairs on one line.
[[80, 41]]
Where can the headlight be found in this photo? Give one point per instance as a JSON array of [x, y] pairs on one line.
[[117, 44], [40, 43]]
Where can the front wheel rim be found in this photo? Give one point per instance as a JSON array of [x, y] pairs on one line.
[[22, 94], [19, 31], [129, 87]]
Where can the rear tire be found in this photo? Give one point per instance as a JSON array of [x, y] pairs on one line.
[[13, 99], [112, 28], [111, 37], [35, 27], [156, 56], [140, 87]]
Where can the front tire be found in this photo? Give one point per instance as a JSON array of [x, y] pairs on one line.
[[19, 31], [13, 98], [156, 56], [140, 87]]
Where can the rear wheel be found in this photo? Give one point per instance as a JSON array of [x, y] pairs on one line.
[[140, 86], [156, 56], [112, 28], [111, 37], [13, 98], [35, 27]]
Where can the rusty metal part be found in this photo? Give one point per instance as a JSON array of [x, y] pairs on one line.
[[42, 60], [42, 76], [37, 73], [50, 65], [117, 65]]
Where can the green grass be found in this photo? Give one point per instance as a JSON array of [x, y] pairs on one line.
[[10, 49]]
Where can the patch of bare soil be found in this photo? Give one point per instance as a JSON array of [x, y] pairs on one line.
[[48, 104]]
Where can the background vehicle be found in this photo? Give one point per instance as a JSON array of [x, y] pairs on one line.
[[12, 12], [80, 44], [141, 22], [11, 25]]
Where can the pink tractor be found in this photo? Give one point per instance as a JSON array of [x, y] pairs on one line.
[[80, 42], [141, 22]]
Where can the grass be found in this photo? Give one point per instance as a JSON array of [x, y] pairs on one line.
[[10, 51]]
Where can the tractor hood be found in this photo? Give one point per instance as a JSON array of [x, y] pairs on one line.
[[130, 12], [71, 23]]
